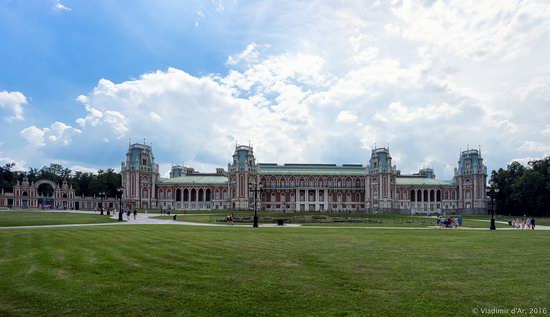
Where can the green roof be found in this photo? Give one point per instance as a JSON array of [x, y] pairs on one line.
[[422, 181], [196, 180], [312, 169]]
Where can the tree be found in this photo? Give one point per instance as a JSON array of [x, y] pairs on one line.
[[523, 190], [8, 179]]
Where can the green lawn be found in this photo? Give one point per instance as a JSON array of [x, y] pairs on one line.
[[36, 218], [229, 271], [378, 220]]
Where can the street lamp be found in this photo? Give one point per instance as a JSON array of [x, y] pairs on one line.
[[255, 188], [493, 192], [120, 190], [101, 194]]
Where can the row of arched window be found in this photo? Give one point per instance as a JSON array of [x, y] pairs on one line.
[[193, 194], [330, 182]]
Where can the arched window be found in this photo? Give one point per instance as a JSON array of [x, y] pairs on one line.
[[412, 194], [178, 194], [186, 194], [144, 192], [161, 194], [467, 194], [438, 195], [425, 195], [311, 182], [207, 194], [201, 194], [193, 194]]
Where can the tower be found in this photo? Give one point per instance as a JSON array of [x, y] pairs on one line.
[[242, 171], [470, 177], [380, 181], [140, 175]]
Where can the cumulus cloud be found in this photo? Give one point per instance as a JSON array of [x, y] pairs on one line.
[[13, 102], [472, 29], [426, 77], [400, 113], [57, 133]]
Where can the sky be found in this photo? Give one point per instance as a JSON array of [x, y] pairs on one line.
[[302, 81]]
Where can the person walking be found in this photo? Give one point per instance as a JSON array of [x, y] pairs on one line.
[[533, 223], [128, 214], [135, 214]]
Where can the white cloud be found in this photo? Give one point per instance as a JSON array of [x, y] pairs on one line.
[[13, 102], [428, 77], [249, 55], [58, 6], [33, 135], [400, 113], [19, 165], [84, 169], [473, 29], [346, 117], [57, 133], [533, 146]]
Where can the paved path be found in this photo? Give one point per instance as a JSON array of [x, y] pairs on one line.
[[148, 219]]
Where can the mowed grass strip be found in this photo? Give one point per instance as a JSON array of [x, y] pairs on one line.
[[36, 218], [161, 270], [378, 220]]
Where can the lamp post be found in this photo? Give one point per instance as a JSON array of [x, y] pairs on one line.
[[255, 188], [492, 192], [101, 194], [120, 190]]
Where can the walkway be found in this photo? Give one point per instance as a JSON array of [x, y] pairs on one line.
[[148, 219]]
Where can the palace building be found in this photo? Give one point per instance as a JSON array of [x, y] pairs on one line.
[[377, 186]]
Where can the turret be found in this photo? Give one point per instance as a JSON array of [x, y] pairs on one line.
[[242, 171], [380, 180], [140, 175], [471, 176]]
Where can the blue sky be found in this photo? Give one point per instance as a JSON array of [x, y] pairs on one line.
[[308, 81]]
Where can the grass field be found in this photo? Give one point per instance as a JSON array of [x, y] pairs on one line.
[[379, 220], [36, 218], [205, 271]]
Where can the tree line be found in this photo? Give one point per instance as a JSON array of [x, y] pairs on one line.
[[523, 190], [84, 183]]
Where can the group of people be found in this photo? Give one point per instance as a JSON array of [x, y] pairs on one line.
[[229, 219], [164, 211], [450, 222], [523, 223]]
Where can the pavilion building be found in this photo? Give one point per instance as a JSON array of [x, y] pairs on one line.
[[375, 187]]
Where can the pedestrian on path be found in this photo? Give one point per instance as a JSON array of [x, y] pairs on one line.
[[533, 223], [135, 214]]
